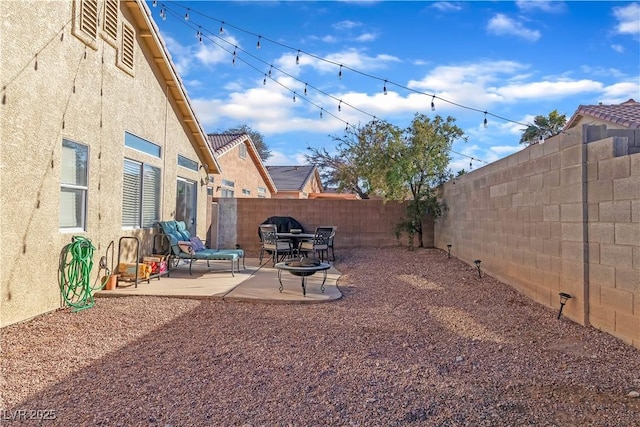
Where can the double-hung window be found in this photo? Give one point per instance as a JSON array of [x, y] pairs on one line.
[[140, 195], [140, 186], [73, 186]]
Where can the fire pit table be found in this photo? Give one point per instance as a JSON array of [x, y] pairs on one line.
[[303, 271]]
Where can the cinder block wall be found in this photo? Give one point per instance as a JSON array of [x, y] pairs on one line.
[[361, 223], [563, 216]]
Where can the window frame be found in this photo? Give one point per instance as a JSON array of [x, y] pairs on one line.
[[75, 187], [137, 218]]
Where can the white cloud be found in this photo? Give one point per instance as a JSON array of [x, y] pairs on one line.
[[502, 150], [366, 37], [543, 5], [546, 89], [346, 25], [620, 92], [502, 25], [618, 48], [628, 19], [447, 6]]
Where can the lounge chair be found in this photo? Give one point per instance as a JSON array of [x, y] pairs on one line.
[[187, 247]]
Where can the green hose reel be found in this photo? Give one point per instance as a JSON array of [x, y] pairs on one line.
[[76, 262]]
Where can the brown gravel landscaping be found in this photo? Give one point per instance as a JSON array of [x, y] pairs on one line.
[[418, 340]]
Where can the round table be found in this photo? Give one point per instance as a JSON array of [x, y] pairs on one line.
[[303, 272]]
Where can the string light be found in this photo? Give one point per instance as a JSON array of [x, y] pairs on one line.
[[199, 35], [264, 82], [486, 123], [163, 14], [298, 58], [386, 81], [305, 89], [341, 66], [433, 104], [294, 97], [186, 15], [384, 89], [221, 31], [155, 3], [258, 46]]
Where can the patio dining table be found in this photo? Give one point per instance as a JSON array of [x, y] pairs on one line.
[[296, 239]]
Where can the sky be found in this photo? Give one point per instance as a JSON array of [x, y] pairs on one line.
[[512, 60]]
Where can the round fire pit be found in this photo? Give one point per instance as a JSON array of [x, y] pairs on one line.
[[298, 268]]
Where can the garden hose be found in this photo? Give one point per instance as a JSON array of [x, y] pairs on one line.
[[76, 262]]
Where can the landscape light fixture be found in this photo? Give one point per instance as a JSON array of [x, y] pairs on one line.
[[477, 262], [563, 300], [449, 250]]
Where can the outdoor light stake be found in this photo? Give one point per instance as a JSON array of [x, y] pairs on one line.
[[477, 262], [449, 250], [563, 300]]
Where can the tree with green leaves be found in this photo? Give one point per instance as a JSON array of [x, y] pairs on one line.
[[336, 170], [543, 127], [256, 137], [400, 164]]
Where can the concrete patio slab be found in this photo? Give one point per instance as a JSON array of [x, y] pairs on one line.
[[254, 283]]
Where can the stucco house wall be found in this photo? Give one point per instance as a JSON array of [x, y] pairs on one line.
[[243, 172], [57, 87]]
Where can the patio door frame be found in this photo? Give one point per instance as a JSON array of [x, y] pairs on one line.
[[187, 203]]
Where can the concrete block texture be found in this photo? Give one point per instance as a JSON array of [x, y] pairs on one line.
[[545, 213], [626, 188], [627, 234]]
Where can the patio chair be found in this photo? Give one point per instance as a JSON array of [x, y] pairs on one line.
[[187, 247], [271, 244], [320, 243]]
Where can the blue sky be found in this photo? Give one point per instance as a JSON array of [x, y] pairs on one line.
[[514, 60]]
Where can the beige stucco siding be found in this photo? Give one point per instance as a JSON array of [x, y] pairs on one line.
[[243, 172], [78, 93]]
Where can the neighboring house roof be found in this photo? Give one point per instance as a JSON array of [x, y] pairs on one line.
[[626, 114], [291, 178], [220, 144], [150, 35]]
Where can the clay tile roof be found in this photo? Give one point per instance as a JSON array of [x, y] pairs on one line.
[[221, 143], [626, 114]]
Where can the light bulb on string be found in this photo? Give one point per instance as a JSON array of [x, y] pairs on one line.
[[221, 31], [471, 163], [163, 14], [294, 97], [270, 68], [155, 3], [186, 15], [199, 35], [234, 55], [486, 122], [298, 58], [258, 45], [346, 128], [384, 89], [321, 112], [433, 104], [340, 72], [339, 104], [305, 89], [264, 82]]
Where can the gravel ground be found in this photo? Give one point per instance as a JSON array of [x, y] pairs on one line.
[[418, 339]]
